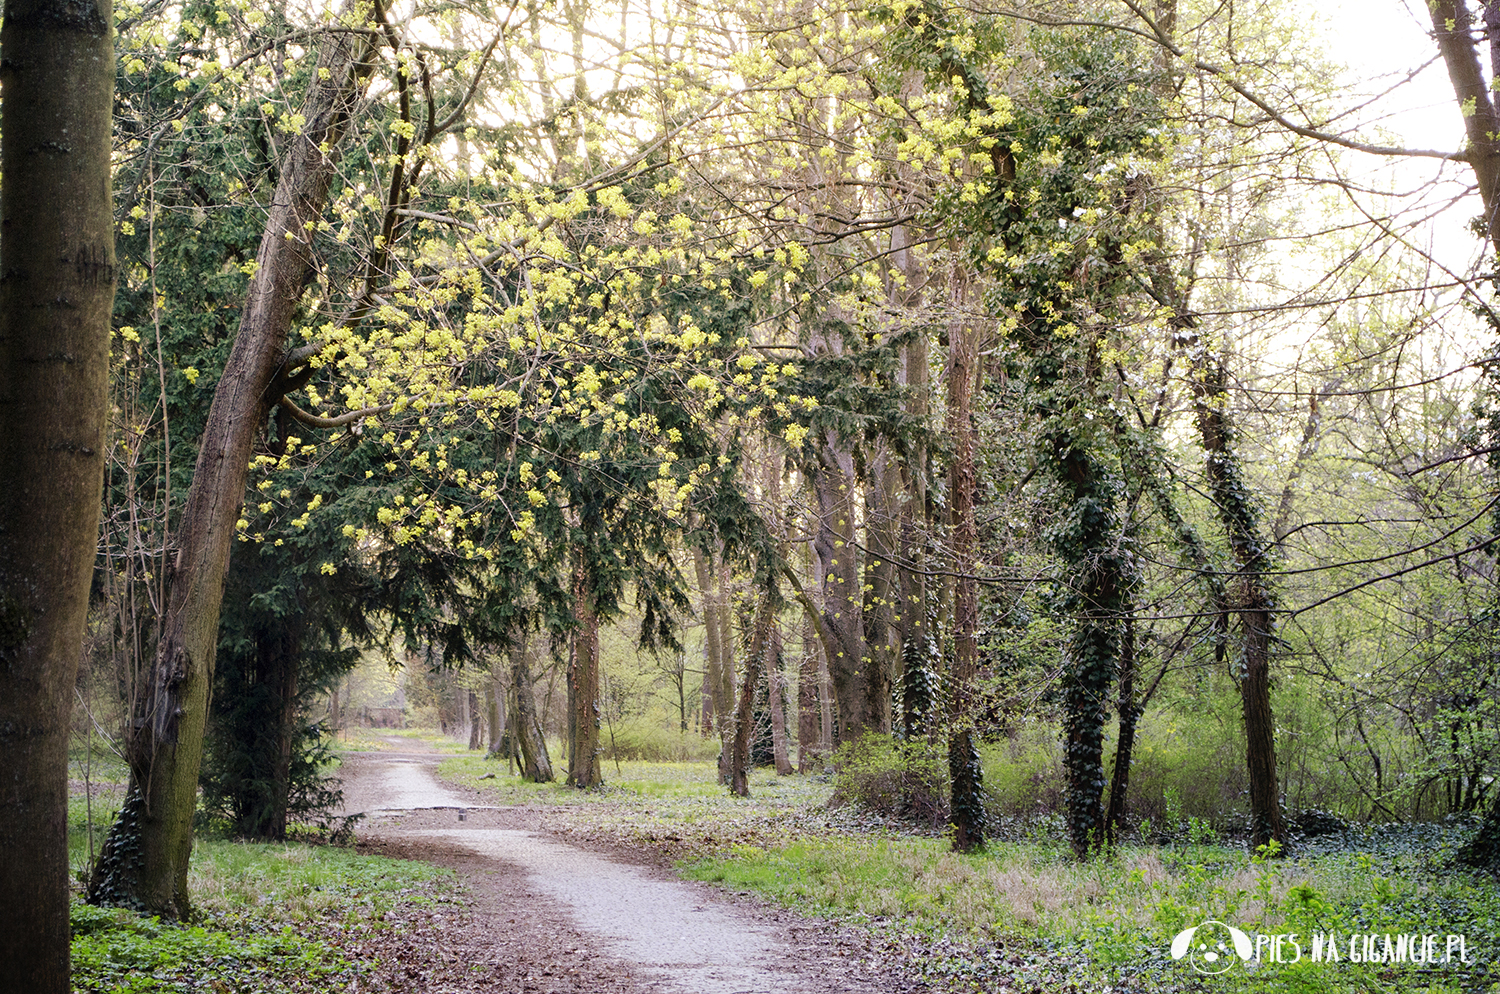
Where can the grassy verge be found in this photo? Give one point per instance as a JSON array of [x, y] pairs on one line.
[[1025, 916], [270, 919]]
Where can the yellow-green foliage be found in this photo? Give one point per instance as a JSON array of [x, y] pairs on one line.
[[654, 737]]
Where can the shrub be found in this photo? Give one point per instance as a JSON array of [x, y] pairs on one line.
[[905, 780], [652, 738], [1023, 774]]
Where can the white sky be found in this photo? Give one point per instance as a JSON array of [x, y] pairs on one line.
[[1382, 42]]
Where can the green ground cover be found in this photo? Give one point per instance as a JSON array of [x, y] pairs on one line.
[[269, 918], [1023, 915]]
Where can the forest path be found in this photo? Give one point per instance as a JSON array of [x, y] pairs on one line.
[[552, 917]]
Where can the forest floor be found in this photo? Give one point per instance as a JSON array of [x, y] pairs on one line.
[[466, 880], [550, 911]]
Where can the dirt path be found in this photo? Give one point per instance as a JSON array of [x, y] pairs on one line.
[[548, 917]]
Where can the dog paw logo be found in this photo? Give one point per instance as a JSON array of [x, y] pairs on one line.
[[1212, 946]]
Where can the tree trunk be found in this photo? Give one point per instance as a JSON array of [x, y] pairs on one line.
[[809, 744], [764, 655], [716, 653], [495, 700], [56, 291], [1130, 714], [834, 546], [778, 719], [964, 771], [145, 862], [882, 585], [476, 722], [536, 765], [583, 686], [1453, 27], [461, 699], [1249, 598]]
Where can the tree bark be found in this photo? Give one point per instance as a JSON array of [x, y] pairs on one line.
[[848, 656], [964, 772], [1130, 714], [145, 860], [1249, 598], [583, 686], [809, 744], [775, 683], [713, 587], [1453, 26], [764, 655], [56, 291], [536, 765], [498, 711], [476, 721]]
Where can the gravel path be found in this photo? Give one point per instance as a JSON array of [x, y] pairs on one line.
[[553, 917]]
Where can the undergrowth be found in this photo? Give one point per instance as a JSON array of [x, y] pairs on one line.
[[268, 919], [1025, 916]]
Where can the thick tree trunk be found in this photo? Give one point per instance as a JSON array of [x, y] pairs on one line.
[[964, 772], [583, 686], [476, 722], [536, 765], [56, 289], [145, 860]]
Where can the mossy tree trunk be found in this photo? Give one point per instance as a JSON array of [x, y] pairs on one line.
[[56, 291]]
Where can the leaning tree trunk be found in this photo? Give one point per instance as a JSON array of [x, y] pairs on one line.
[[56, 289], [1453, 29], [145, 860]]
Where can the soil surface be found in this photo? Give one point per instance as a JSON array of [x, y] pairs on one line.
[[543, 916]]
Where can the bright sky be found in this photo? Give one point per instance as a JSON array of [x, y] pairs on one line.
[[1383, 42], [1388, 38]]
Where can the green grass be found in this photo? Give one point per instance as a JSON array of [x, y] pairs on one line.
[[271, 918], [1111, 922], [686, 782], [378, 740]]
